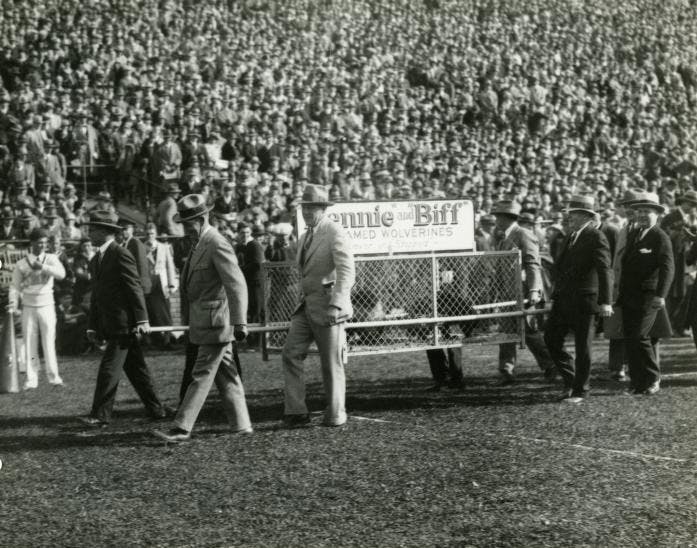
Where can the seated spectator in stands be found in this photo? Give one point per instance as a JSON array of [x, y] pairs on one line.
[[8, 229], [282, 249], [226, 202], [70, 232]]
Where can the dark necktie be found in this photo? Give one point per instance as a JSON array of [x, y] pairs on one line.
[[307, 243]]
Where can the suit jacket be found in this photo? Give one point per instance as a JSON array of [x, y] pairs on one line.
[[611, 233], [672, 224], [214, 293], [582, 274], [327, 272], [161, 264], [525, 241], [140, 254], [252, 257], [117, 303], [647, 267], [166, 210]]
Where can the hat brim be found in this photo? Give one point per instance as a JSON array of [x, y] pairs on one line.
[[179, 219], [304, 202], [111, 226], [506, 214], [582, 209], [682, 199], [658, 207]]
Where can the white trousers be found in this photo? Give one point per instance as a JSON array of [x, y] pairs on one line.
[[40, 321]]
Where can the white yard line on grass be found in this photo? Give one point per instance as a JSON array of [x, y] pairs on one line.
[[674, 375], [600, 449], [553, 442]]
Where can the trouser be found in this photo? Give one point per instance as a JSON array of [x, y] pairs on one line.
[[617, 355], [40, 322], [574, 373], [331, 343], [446, 368], [644, 369], [123, 353], [508, 353], [190, 354], [214, 363]]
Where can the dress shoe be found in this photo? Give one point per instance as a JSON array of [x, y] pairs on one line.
[[334, 421], [434, 388], [574, 399], [173, 435], [296, 421], [653, 389], [550, 374], [565, 395], [93, 422], [619, 376], [30, 387], [165, 412], [632, 392], [243, 431], [506, 378], [59, 384]]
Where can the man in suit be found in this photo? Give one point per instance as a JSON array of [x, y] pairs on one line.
[[647, 273], [678, 224], [582, 289], [117, 314], [215, 294], [509, 236], [137, 249], [327, 274], [252, 257], [163, 280]]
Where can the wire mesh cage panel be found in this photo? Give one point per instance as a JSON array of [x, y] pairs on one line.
[[413, 302]]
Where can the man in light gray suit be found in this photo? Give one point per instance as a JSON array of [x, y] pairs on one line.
[[327, 275], [215, 297]]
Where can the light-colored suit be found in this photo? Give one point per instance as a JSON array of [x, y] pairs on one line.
[[328, 273], [162, 265], [214, 294]]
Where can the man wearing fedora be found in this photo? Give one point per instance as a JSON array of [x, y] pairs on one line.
[[251, 255], [118, 315], [647, 273], [214, 305], [582, 276], [679, 224], [327, 274], [166, 210], [510, 235]]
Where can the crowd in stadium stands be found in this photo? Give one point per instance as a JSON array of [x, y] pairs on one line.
[[140, 102]]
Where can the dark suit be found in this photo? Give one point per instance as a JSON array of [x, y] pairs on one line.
[[117, 306], [582, 281], [140, 254], [647, 272], [252, 257], [676, 301]]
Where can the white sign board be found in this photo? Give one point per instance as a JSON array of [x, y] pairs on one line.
[[404, 226]]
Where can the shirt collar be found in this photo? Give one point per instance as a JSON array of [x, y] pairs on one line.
[[104, 247], [508, 231]]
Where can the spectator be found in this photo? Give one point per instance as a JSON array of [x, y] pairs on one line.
[[163, 280]]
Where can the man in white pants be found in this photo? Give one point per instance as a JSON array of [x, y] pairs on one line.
[[32, 281]]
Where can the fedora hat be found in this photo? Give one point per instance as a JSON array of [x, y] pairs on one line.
[[104, 219], [526, 218], [648, 199], [258, 231], [315, 195], [510, 208], [7, 213], [583, 203], [190, 207], [689, 196]]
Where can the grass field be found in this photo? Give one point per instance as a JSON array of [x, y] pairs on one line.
[[493, 466]]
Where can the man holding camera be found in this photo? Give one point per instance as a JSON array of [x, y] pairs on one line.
[[214, 297]]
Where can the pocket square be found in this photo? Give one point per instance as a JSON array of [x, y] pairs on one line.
[[645, 250]]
